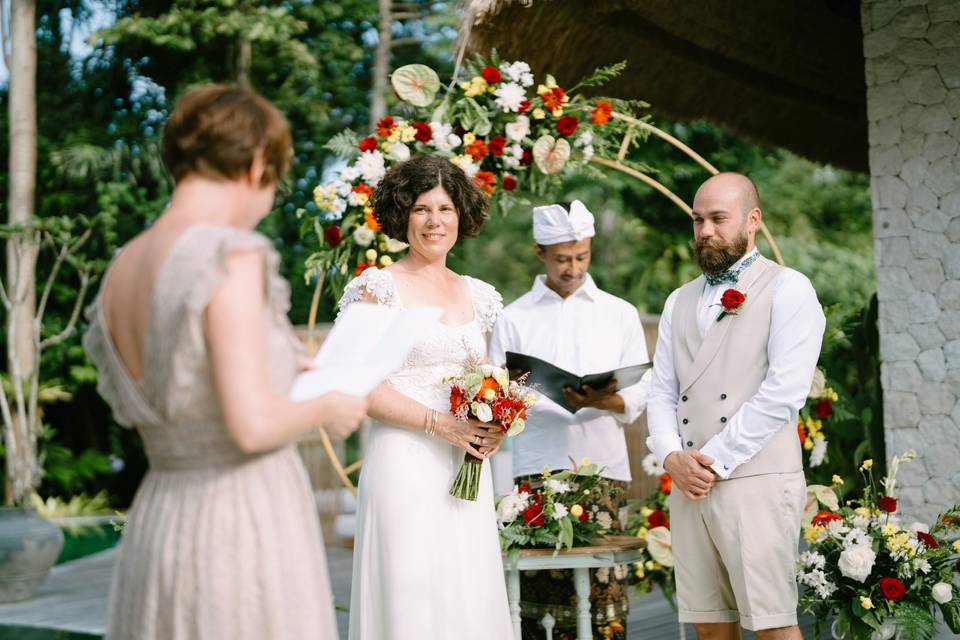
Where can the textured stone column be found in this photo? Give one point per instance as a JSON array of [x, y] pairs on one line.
[[912, 51]]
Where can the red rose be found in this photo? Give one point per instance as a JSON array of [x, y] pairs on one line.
[[731, 299], [584, 516], [888, 504], [658, 519], [368, 144], [491, 74], [567, 125], [527, 158], [927, 539], [892, 588], [496, 145], [666, 483], [332, 236], [533, 515], [824, 408], [423, 131], [524, 487], [524, 105], [823, 517], [509, 183]]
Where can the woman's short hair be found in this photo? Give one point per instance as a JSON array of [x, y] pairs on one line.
[[403, 184], [216, 130]]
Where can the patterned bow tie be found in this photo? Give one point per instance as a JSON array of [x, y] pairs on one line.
[[730, 275]]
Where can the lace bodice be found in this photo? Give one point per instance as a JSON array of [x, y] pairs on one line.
[[445, 349]]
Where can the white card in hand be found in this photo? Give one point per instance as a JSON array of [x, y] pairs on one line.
[[367, 344]]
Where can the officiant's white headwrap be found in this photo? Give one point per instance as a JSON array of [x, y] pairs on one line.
[[552, 224]]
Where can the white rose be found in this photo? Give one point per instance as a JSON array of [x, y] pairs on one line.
[[399, 152], [502, 376], [518, 130], [394, 246], [856, 563], [484, 412], [942, 592], [364, 235]]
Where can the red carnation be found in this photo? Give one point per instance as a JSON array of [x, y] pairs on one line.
[[666, 483], [732, 299], [823, 517], [567, 125], [892, 588], [423, 131], [509, 183], [368, 144], [533, 515], [477, 149], [527, 158], [658, 519], [385, 127], [491, 74], [824, 408], [888, 504], [496, 145], [524, 106], [524, 487], [927, 539], [332, 236]]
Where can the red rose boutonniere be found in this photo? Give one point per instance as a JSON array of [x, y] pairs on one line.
[[731, 301]]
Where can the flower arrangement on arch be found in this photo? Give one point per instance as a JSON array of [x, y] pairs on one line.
[[874, 574], [650, 520], [552, 515], [509, 131], [486, 393]]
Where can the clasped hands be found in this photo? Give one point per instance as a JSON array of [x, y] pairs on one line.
[[691, 473], [606, 399]]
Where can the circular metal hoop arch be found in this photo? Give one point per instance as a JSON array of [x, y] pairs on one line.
[[343, 473]]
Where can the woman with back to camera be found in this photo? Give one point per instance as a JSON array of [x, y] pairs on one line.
[[426, 565], [191, 340]]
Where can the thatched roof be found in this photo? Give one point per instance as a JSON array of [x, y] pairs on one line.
[[783, 72]]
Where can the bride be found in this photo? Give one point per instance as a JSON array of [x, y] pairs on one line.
[[427, 565]]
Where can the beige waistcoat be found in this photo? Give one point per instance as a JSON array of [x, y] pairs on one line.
[[724, 369]]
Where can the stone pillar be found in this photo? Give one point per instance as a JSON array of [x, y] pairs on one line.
[[912, 51]]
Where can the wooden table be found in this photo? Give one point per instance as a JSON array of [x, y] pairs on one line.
[[612, 551]]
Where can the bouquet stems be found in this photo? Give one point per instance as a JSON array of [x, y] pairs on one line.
[[467, 483]]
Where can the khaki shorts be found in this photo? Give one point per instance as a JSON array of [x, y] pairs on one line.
[[735, 551]]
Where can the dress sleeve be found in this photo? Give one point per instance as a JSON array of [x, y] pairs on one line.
[[373, 285], [487, 302]]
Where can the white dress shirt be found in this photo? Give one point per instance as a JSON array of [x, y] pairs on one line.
[[590, 331], [793, 347]]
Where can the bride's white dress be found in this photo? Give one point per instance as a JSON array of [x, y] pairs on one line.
[[426, 566]]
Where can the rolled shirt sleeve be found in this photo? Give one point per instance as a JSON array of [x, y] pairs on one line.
[[793, 348]]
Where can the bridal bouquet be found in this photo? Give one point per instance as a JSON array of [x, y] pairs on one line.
[[487, 394], [552, 515], [876, 576]]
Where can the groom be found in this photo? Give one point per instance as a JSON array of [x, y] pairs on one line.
[[734, 361]]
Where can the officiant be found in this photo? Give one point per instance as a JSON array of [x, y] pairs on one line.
[[566, 320]]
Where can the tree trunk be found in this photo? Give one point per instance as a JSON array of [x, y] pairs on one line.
[[244, 59], [22, 249], [381, 65]]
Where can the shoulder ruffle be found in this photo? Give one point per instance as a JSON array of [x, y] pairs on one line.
[[372, 283], [487, 301]]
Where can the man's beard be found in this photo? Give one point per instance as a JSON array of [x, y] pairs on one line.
[[721, 255]]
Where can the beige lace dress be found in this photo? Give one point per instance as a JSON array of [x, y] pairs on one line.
[[219, 544]]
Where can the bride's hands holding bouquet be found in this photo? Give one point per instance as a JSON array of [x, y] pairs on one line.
[[476, 438]]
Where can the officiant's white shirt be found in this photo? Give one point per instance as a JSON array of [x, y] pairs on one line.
[[590, 331], [796, 332]]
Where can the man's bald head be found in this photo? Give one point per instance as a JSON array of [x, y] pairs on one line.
[[731, 187]]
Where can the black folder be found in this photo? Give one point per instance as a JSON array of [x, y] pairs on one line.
[[550, 379]]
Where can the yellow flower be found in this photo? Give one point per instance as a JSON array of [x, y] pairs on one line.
[[889, 529], [642, 532], [386, 261], [409, 134], [371, 254], [638, 567], [837, 480], [468, 138], [811, 532], [656, 566], [956, 546], [649, 565], [867, 465], [866, 602], [898, 541], [584, 461], [645, 511], [830, 395], [808, 444], [576, 511], [539, 114], [863, 512], [476, 86], [556, 113]]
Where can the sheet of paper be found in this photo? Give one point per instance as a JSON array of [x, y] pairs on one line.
[[367, 344]]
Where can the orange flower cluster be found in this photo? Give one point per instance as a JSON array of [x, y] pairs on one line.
[[486, 180], [554, 98], [601, 112], [370, 219]]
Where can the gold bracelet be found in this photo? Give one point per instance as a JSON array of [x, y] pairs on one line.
[[434, 419], [426, 422]]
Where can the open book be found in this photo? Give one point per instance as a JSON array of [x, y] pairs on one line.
[[550, 380], [367, 344]]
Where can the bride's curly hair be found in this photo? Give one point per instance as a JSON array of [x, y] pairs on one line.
[[403, 184]]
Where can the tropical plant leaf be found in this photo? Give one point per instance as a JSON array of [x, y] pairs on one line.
[[915, 622], [344, 144]]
